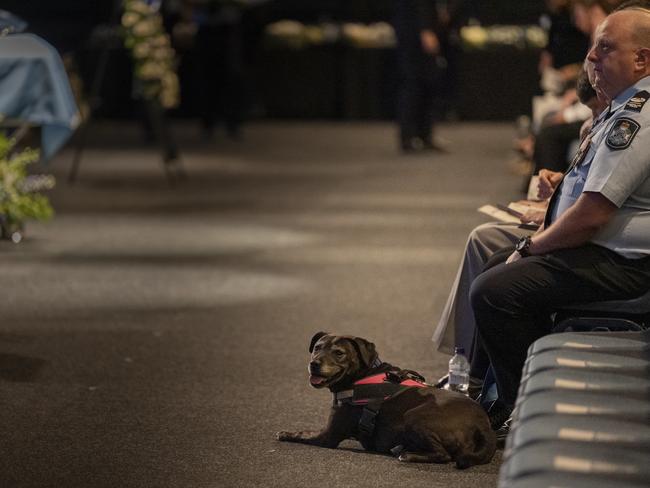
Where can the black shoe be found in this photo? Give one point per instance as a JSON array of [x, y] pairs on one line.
[[503, 432], [475, 388], [499, 414], [435, 147], [413, 145]]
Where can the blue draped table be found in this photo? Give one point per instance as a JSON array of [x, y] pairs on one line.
[[34, 89]]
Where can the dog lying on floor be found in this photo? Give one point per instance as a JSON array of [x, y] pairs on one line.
[[390, 410]]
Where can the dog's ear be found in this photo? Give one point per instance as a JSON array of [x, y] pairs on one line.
[[315, 339], [365, 349]]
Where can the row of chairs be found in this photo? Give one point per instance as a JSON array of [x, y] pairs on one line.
[[582, 417]]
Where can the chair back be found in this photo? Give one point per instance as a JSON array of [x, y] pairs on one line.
[[604, 316]]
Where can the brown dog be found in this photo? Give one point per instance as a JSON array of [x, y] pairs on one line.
[[390, 410]]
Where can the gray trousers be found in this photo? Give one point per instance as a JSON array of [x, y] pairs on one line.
[[456, 326]]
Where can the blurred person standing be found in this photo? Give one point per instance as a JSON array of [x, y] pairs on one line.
[[452, 16], [420, 69], [559, 66], [587, 14], [209, 36]]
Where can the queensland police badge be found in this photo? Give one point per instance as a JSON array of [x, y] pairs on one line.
[[622, 133]]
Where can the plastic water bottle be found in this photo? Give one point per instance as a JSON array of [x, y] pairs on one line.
[[459, 371]]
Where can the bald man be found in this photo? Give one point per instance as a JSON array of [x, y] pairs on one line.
[[595, 242]]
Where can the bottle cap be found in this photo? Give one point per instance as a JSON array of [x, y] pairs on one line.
[[459, 350]]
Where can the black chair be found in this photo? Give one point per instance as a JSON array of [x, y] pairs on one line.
[[580, 430], [622, 362], [606, 316], [598, 462], [583, 408], [608, 342], [547, 479], [588, 381]]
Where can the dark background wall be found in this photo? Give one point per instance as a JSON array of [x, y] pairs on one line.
[[324, 83], [65, 23]]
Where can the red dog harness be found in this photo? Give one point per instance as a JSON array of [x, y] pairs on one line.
[[380, 386], [371, 391]]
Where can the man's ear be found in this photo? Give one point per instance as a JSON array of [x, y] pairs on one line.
[[315, 339], [365, 349], [642, 59]]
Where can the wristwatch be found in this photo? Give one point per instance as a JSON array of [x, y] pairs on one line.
[[523, 246]]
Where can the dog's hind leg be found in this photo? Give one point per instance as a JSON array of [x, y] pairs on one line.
[[421, 448], [421, 442], [478, 450]]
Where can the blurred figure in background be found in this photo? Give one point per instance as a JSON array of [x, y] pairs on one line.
[[208, 34], [561, 60], [452, 16], [559, 65], [558, 115], [587, 14], [421, 67], [554, 140]]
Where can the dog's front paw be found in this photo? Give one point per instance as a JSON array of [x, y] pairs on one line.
[[285, 436]]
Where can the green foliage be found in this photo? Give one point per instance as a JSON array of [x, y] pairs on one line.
[[17, 202]]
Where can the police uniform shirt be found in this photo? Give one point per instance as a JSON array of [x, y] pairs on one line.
[[573, 182], [616, 164]]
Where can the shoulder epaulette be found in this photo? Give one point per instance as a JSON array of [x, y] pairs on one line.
[[637, 102]]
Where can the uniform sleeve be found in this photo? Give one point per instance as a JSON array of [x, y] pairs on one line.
[[616, 173]]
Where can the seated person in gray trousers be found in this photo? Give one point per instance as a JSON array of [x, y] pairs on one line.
[[456, 327]]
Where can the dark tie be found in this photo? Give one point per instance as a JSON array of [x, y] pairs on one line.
[[576, 161]]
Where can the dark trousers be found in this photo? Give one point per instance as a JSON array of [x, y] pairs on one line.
[[416, 98], [512, 303], [220, 73], [552, 146]]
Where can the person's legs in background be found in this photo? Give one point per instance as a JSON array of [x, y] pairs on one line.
[[408, 108]]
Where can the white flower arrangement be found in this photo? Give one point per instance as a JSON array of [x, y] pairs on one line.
[[375, 35], [154, 60], [296, 35], [521, 37]]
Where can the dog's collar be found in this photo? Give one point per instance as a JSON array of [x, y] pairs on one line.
[[346, 394]]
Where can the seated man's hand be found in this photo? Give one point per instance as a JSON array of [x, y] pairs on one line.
[[548, 180], [515, 256], [430, 43], [533, 215], [538, 204]]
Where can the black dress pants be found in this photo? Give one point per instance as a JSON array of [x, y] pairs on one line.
[[512, 303], [552, 146], [416, 97]]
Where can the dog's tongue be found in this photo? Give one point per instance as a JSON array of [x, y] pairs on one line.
[[316, 380]]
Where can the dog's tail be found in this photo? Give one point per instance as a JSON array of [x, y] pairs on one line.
[[485, 444]]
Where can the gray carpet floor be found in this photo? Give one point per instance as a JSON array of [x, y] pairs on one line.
[[156, 336]]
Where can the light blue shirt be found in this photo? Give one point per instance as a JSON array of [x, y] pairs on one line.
[[621, 174]]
